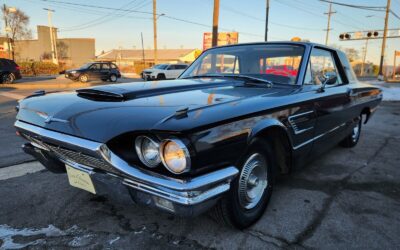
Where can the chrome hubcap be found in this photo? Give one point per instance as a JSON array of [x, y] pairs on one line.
[[253, 181], [356, 132], [113, 78]]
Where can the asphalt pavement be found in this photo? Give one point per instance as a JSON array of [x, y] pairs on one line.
[[347, 198]]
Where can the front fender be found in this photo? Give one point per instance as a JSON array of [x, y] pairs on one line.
[[266, 124]]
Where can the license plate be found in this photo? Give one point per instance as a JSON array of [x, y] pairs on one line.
[[80, 179]]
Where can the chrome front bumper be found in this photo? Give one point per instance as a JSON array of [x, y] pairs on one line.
[[189, 196]]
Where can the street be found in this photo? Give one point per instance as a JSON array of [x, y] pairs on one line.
[[348, 198]]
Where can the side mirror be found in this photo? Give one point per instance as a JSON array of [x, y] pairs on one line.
[[330, 80]]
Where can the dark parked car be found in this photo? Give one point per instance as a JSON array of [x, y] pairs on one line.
[[9, 71], [208, 139], [94, 71]]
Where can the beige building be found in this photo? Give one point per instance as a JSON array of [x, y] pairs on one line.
[[72, 51], [130, 57]]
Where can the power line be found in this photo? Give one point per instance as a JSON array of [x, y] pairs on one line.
[[143, 12], [97, 20], [394, 14], [313, 13], [363, 7], [227, 8]]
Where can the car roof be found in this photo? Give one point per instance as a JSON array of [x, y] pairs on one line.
[[306, 44]]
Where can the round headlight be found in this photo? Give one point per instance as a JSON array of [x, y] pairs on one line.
[[148, 151], [175, 156]]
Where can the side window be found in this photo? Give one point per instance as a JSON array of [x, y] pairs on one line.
[[105, 66], [95, 66], [113, 66], [321, 66], [182, 66]]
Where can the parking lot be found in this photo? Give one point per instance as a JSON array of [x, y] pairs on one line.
[[348, 198]]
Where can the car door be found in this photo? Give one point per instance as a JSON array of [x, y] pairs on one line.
[[105, 71], [172, 72], [95, 71], [330, 102]]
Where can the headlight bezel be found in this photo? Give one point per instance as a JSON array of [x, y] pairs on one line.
[[181, 146], [139, 150]]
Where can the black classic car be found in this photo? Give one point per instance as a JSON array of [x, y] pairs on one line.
[[94, 71], [217, 137]]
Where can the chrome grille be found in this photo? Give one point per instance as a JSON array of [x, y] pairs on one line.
[[74, 156], [80, 158]]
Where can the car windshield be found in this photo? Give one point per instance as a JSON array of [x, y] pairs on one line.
[[85, 66], [160, 66], [278, 63]]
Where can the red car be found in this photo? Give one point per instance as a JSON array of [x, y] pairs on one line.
[[281, 70]]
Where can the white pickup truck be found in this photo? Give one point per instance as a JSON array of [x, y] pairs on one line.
[[163, 71]]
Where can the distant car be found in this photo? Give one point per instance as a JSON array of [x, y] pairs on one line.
[[281, 70], [94, 71], [163, 71], [9, 71]]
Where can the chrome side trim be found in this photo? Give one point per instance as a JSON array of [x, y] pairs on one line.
[[318, 136], [294, 125]]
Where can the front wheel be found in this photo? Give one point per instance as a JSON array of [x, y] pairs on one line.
[[352, 139], [83, 78], [250, 193]]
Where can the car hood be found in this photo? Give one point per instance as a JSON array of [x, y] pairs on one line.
[[103, 112]]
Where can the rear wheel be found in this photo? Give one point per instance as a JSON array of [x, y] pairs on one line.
[[8, 78], [83, 78], [113, 78], [250, 193], [352, 139]]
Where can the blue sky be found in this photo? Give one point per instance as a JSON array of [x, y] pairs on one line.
[[121, 29]]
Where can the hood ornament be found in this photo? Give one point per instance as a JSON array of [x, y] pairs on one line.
[[50, 118]]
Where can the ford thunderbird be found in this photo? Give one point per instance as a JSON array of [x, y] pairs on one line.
[[215, 138]]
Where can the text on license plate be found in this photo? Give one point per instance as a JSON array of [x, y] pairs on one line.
[[80, 179]]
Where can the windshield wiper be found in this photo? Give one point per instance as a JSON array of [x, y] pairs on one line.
[[249, 80]]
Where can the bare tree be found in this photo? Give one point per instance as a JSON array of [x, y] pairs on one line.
[[17, 25], [352, 54]]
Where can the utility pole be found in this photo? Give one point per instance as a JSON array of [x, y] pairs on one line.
[[5, 29], [266, 21], [380, 74], [144, 60], [155, 30], [53, 42], [215, 24], [394, 64], [364, 57], [329, 13]]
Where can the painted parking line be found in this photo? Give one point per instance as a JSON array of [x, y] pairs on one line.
[[20, 170], [12, 95]]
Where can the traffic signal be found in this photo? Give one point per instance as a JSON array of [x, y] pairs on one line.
[[344, 36]]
